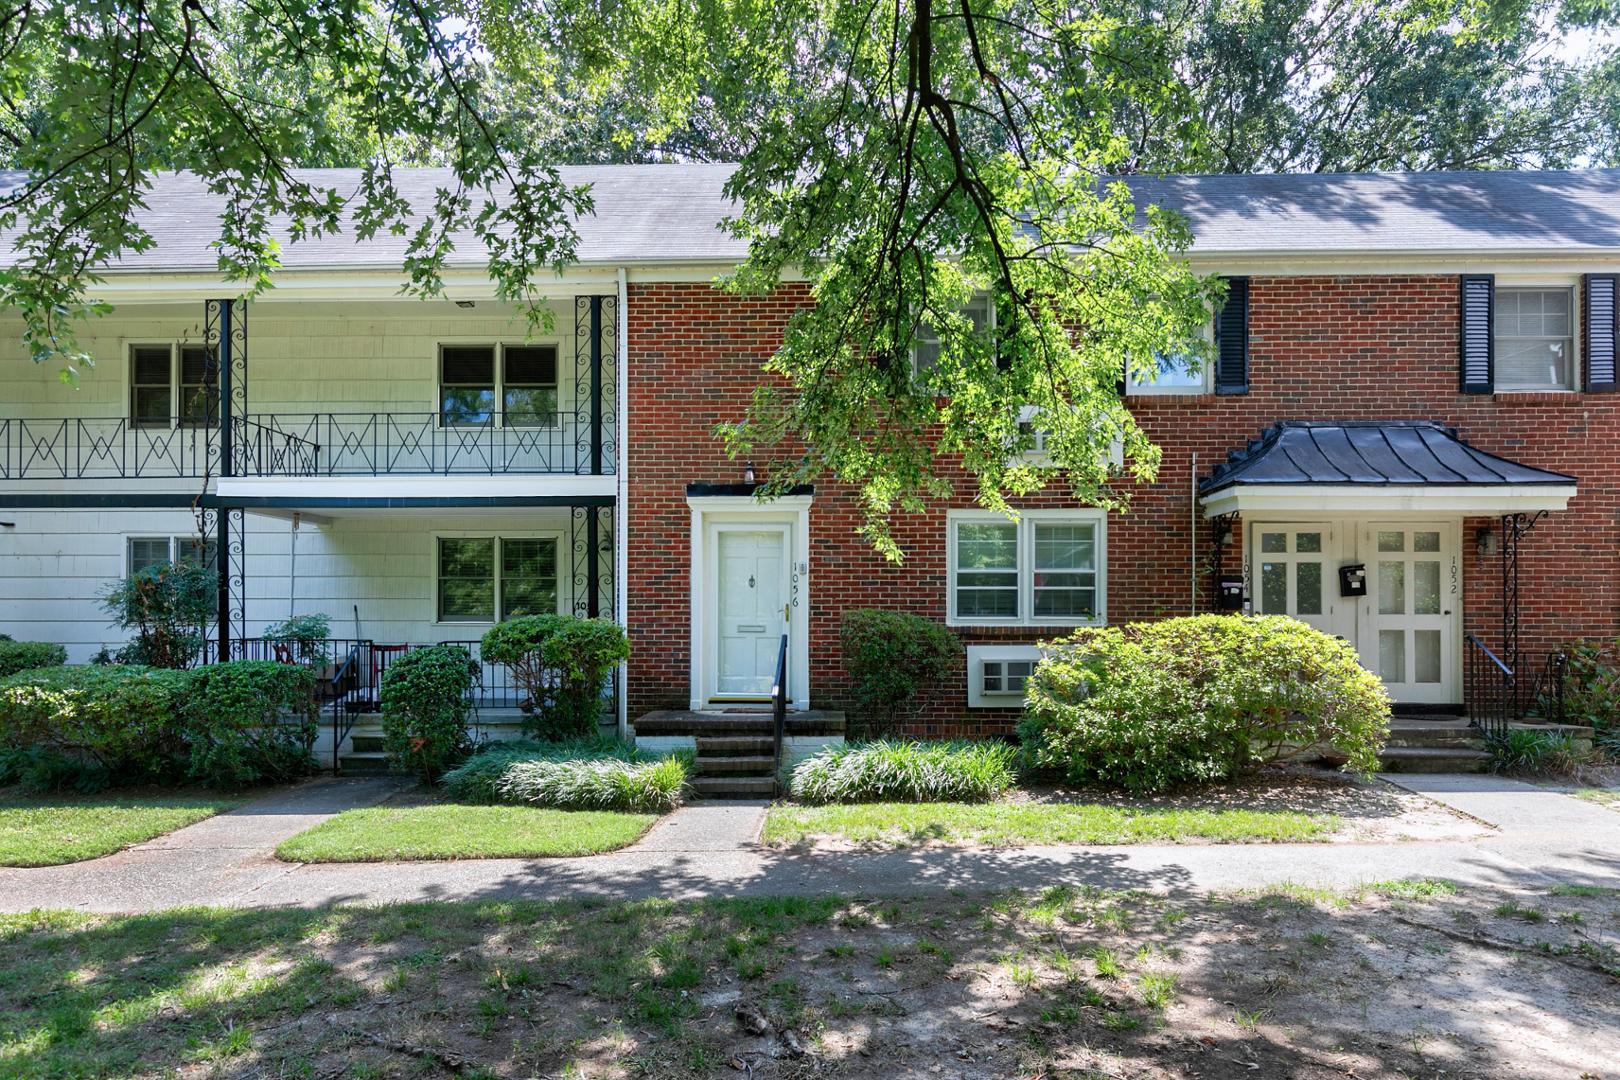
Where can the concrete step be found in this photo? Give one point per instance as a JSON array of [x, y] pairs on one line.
[[734, 745], [1420, 733], [734, 766], [366, 744], [365, 763], [734, 787], [737, 722], [1432, 759]]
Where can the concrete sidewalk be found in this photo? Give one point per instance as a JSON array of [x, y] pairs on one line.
[[711, 850]]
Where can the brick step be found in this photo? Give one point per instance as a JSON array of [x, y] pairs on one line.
[[736, 766], [1431, 759], [735, 787], [365, 763], [687, 722], [734, 745]]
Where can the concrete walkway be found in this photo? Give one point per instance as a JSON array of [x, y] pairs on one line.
[[711, 850]]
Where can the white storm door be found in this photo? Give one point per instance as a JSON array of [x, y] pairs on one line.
[[751, 591], [1295, 572], [1409, 617]]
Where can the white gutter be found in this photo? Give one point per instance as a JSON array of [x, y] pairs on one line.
[[621, 469]]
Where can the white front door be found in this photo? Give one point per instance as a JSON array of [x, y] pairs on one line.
[[1409, 617], [1296, 572], [751, 591]]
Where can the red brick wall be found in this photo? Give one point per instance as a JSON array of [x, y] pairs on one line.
[[1321, 349]]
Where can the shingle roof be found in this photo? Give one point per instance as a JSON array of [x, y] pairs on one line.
[[672, 213], [1410, 212], [644, 213], [1379, 453]]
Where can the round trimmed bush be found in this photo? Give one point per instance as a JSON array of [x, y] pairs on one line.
[[249, 722], [893, 657], [1152, 705], [123, 717], [424, 700], [18, 656], [562, 663]]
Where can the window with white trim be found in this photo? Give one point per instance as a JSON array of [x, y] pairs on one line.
[[507, 385], [1045, 569], [144, 552], [925, 353], [1178, 373], [1534, 338], [172, 382], [488, 578], [1005, 678]]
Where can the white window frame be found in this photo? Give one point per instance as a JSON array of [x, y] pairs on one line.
[[499, 345], [1541, 283], [1025, 547], [927, 332], [565, 572], [1134, 388], [174, 542], [979, 655], [175, 390]]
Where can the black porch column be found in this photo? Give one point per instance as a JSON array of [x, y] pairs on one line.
[[225, 334], [596, 399], [593, 564]]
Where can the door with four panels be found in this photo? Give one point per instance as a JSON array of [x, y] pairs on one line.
[[751, 591]]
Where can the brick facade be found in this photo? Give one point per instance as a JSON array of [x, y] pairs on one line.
[[1321, 348]]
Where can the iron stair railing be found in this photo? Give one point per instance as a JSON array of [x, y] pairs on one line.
[[779, 697]]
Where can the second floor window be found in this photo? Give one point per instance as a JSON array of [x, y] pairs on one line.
[[925, 353], [1177, 374], [1534, 332], [172, 382], [506, 384]]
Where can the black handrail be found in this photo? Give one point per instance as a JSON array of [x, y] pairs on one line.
[[1492, 689], [779, 694]]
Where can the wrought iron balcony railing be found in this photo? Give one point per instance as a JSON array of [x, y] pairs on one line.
[[304, 444]]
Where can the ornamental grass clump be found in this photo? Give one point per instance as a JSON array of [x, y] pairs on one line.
[[655, 787], [893, 771], [1152, 705], [477, 780]]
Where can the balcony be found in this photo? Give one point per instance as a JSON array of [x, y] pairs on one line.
[[286, 445]]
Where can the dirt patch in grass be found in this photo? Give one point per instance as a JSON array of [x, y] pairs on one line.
[[1292, 804], [1407, 979]]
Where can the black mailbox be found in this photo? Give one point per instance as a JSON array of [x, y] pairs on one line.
[[1229, 593], [1353, 580]]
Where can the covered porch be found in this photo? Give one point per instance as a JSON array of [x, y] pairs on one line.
[[1399, 537]]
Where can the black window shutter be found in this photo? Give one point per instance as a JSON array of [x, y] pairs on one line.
[[1600, 332], [1476, 363], [1232, 339]]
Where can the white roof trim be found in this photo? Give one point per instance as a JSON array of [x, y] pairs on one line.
[[1460, 500]]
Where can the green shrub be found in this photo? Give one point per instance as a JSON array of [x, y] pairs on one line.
[[121, 717], [1591, 687], [890, 657], [1152, 705], [1532, 752], [249, 722], [169, 607], [652, 787], [424, 700], [44, 770], [562, 663], [303, 635], [18, 656], [475, 780], [906, 772]]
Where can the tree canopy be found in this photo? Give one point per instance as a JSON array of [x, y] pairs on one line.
[[903, 158]]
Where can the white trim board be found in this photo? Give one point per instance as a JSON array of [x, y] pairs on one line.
[[744, 510], [415, 487], [1366, 500]]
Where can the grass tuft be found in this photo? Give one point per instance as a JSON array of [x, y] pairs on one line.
[[581, 774], [892, 771]]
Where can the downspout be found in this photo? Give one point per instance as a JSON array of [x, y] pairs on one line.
[[621, 470], [1192, 533], [292, 567]]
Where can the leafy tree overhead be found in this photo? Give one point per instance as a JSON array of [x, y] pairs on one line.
[[934, 170]]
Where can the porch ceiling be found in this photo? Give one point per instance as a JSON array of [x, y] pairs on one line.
[[1377, 466]]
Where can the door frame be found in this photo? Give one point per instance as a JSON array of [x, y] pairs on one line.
[[1351, 616], [1451, 660], [714, 534], [745, 513]]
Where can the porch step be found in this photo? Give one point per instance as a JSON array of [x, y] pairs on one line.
[[364, 763], [1451, 733], [366, 744], [737, 722], [721, 746], [764, 766], [734, 787], [1432, 759]]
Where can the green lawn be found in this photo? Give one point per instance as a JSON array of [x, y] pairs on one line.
[[453, 831], [1609, 797], [50, 830], [1038, 823]]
